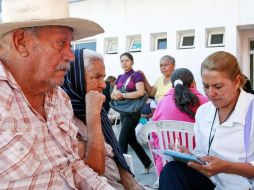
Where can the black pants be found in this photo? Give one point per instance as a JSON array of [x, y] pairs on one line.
[[128, 136], [178, 176]]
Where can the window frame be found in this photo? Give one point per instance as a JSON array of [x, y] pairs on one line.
[[110, 49], [157, 42], [181, 46], [210, 38], [133, 41]]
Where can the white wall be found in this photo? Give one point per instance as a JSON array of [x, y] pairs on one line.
[[121, 18]]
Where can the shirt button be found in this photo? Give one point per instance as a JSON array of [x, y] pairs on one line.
[[21, 149]]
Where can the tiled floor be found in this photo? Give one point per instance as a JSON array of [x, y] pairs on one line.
[[145, 179]]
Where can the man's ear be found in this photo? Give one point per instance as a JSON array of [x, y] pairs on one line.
[[19, 41]]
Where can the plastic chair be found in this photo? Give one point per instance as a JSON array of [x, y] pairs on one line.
[[167, 132]]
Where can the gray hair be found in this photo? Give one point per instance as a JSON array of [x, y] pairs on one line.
[[6, 45], [90, 56], [168, 58]]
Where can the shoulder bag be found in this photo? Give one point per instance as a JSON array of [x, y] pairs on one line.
[[128, 105]]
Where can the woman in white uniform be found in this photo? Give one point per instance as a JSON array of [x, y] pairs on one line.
[[221, 138]]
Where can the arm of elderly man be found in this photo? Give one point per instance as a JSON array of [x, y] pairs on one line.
[[38, 153]]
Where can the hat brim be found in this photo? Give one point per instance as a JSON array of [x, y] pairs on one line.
[[82, 28]]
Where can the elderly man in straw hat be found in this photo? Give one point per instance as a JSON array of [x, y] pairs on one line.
[[38, 146]]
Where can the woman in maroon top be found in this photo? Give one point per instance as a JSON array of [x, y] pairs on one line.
[[129, 121]]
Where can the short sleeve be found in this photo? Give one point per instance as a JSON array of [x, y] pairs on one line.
[[138, 77], [117, 80]]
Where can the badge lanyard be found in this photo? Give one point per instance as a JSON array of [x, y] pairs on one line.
[[212, 137]]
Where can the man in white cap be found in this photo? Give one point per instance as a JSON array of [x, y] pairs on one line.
[[38, 146]]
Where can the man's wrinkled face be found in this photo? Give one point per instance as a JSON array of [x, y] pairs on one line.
[[94, 76], [50, 56]]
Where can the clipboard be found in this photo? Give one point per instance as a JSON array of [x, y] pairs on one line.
[[178, 156]]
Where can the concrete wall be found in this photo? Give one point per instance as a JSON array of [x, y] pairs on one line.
[[121, 18]]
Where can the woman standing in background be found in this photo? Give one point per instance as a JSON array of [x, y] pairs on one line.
[[133, 82], [163, 84]]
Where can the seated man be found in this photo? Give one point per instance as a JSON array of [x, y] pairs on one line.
[[84, 84], [38, 144]]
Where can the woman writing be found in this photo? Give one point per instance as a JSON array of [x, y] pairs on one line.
[[180, 104], [219, 133], [133, 82]]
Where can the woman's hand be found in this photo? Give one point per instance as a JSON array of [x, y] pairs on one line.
[[179, 148], [183, 149], [214, 166], [118, 95], [95, 148], [94, 102]]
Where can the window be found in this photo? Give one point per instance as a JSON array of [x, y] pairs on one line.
[[135, 45], [252, 45], [158, 41], [186, 39], [187, 42], [113, 47], [161, 43], [215, 37]]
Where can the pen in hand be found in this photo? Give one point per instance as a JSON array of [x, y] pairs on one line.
[[176, 147]]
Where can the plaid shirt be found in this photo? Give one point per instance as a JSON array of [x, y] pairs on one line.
[[39, 154]]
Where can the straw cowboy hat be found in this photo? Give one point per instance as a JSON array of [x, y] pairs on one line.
[[27, 13]]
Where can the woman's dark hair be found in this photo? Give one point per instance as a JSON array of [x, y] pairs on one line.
[[185, 100], [247, 86], [128, 55]]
